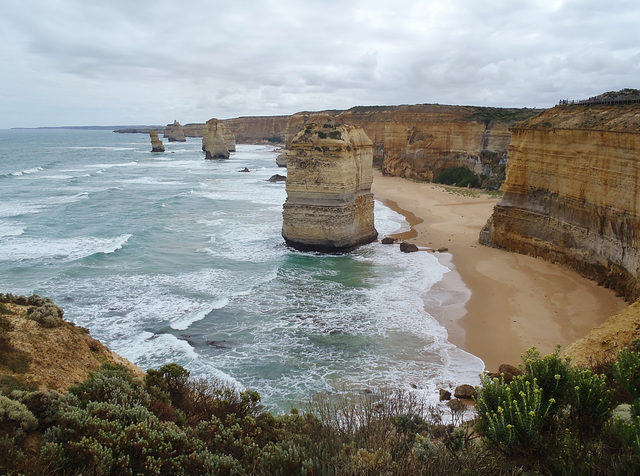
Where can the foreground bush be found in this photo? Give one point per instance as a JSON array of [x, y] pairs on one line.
[[552, 419]]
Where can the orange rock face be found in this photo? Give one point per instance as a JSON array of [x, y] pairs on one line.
[[420, 141], [571, 193], [329, 204]]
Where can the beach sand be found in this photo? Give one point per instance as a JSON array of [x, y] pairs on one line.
[[498, 304]]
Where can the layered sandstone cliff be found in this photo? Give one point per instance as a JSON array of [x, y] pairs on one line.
[[420, 141], [156, 143], [174, 132], [213, 140], [329, 204], [571, 193]]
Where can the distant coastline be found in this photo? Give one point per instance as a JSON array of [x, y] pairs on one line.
[[92, 128]]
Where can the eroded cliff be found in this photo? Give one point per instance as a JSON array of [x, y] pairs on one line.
[[571, 193], [422, 140], [329, 205]]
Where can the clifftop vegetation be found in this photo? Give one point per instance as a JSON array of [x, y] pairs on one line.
[[551, 419]]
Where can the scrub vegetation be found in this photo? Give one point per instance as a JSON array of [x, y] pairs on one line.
[[551, 419]]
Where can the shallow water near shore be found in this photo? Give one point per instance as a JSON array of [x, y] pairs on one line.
[[171, 258]]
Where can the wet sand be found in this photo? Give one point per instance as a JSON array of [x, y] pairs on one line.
[[496, 304]]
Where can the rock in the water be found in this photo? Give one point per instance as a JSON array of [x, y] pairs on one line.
[[174, 132], [277, 178], [156, 143], [408, 247], [281, 160], [213, 142], [329, 204], [465, 391], [445, 394], [388, 241], [244, 170]]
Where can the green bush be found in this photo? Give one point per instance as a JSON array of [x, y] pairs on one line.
[[458, 176]]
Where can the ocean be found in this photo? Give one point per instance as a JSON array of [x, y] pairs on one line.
[[172, 258]]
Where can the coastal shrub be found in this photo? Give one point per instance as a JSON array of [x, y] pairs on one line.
[[458, 176], [48, 315], [627, 372], [550, 418], [113, 384]]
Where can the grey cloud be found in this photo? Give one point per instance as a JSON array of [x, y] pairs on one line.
[[227, 59]]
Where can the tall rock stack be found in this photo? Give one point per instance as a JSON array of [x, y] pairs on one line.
[[329, 204], [572, 193], [228, 137], [213, 142], [156, 143], [174, 132]]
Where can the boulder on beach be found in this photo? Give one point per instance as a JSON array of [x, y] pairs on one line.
[[388, 241], [465, 391], [408, 247]]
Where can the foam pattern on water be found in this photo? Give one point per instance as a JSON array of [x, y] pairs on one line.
[[172, 258]]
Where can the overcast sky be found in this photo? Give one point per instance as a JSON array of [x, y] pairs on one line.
[[114, 62]]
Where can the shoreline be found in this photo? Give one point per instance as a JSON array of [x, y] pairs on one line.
[[513, 301]]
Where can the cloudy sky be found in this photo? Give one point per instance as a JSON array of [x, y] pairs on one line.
[[108, 62]]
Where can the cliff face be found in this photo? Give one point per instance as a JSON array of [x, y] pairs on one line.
[[258, 129], [329, 204], [571, 193], [174, 132], [420, 141]]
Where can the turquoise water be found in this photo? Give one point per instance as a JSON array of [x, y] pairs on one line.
[[171, 258]]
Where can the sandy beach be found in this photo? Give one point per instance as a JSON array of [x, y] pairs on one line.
[[497, 304]]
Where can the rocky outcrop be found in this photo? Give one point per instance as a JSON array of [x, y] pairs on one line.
[[48, 356], [213, 143], [174, 132], [571, 195], [603, 343], [156, 143], [329, 204], [420, 141]]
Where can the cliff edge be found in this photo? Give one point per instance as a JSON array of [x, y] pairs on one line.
[[571, 194], [38, 348]]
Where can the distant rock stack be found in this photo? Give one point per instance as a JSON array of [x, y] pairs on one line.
[[329, 204], [156, 143], [228, 137], [174, 132], [213, 142]]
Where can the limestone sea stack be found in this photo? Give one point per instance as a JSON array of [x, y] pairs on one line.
[[213, 142], [156, 143], [174, 132], [329, 205], [228, 137]]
